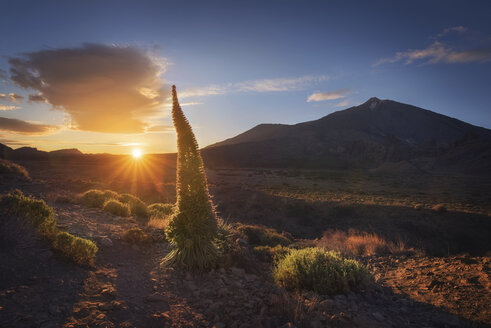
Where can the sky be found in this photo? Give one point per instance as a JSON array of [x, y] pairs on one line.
[[96, 75]]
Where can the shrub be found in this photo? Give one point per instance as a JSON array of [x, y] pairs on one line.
[[160, 209], [115, 207], [223, 239], [94, 198], [80, 250], [37, 213], [192, 229], [7, 167], [262, 236], [137, 206], [359, 243], [269, 254], [135, 236], [294, 308], [320, 271]]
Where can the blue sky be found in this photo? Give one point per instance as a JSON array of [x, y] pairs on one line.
[[236, 64]]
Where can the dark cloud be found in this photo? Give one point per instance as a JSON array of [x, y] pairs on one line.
[[104, 88], [36, 98], [3, 75], [22, 127]]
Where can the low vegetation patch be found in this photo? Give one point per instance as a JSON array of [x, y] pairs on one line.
[[37, 214], [80, 250], [320, 271], [7, 167], [160, 209], [115, 207], [135, 236], [100, 198], [263, 236], [137, 207], [270, 254], [97, 198], [359, 243]]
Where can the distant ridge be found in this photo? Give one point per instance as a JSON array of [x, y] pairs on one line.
[[30, 153], [365, 136]]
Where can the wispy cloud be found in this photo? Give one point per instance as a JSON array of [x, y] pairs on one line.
[[457, 29], [264, 85], [23, 127], [4, 107], [449, 52], [281, 84], [15, 97], [3, 96], [344, 103], [160, 129], [328, 95]]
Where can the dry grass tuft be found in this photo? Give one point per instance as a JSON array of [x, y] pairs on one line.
[[294, 308], [356, 243]]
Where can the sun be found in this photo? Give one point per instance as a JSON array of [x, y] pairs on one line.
[[136, 153]]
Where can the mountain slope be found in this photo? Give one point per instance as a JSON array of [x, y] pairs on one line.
[[367, 135]]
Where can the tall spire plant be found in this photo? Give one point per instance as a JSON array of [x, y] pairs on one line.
[[193, 227]]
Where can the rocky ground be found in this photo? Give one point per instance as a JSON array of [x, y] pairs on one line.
[[127, 287]]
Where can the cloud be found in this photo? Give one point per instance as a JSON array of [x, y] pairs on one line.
[[104, 88], [160, 129], [445, 32], [344, 103], [205, 91], [328, 95], [448, 52], [4, 107], [23, 127], [264, 85], [3, 96], [37, 98], [3, 75], [281, 84], [15, 97]]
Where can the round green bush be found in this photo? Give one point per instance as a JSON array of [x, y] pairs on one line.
[[80, 250], [160, 209], [115, 207], [137, 206], [320, 271]]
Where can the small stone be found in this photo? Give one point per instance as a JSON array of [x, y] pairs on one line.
[[237, 271], [241, 242], [106, 242], [156, 298], [378, 316], [219, 325]]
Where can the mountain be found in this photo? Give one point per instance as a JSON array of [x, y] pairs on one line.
[[366, 136]]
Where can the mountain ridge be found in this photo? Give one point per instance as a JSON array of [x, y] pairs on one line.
[[366, 136]]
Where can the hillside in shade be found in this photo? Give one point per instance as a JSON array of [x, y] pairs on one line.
[[371, 135]]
